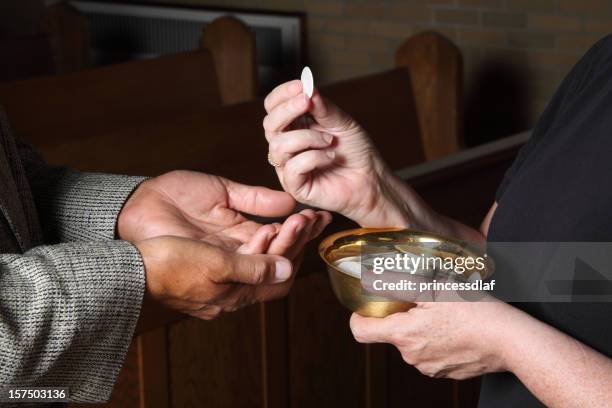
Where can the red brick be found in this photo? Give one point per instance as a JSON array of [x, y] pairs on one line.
[[584, 6], [532, 5], [601, 26], [531, 40], [410, 12], [390, 29], [457, 16], [482, 37], [505, 20], [554, 23], [491, 4], [366, 9], [329, 8]]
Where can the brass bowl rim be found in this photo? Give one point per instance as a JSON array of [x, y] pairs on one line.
[[329, 241]]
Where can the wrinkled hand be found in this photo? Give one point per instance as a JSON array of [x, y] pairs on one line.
[[445, 339], [331, 163]]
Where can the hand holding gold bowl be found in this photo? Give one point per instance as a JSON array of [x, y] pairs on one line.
[[353, 243]]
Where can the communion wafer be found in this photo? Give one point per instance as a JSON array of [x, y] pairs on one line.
[[307, 81]]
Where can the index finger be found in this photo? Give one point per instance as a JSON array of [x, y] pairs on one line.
[[291, 234], [282, 93]]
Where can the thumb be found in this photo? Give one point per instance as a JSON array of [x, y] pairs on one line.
[[328, 115], [260, 201], [260, 269]]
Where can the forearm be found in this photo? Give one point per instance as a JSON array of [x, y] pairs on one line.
[[401, 206], [558, 369]]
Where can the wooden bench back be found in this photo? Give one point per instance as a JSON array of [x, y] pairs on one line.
[[384, 105], [25, 57], [225, 140], [229, 140], [232, 45], [69, 32], [52, 110], [436, 74], [167, 113]]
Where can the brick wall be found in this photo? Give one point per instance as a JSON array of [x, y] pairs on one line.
[[528, 43]]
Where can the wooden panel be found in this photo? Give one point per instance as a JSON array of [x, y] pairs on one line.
[[103, 100], [327, 367], [275, 354], [26, 57], [384, 105], [69, 30], [153, 369], [467, 191], [376, 375], [232, 45], [207, 141], [406, 384], [217, 363], [435, 67]]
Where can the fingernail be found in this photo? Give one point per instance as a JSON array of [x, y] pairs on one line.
[[327, 137], [330, 153], [282, 270]]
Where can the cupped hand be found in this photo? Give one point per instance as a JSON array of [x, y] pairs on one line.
[[328, 161], [202, 256], [203, 280], [199, 206], [445, 339]]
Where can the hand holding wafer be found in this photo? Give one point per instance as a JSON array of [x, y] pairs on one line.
[[328, 162]]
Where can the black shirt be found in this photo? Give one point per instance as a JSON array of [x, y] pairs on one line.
[[559, 189]]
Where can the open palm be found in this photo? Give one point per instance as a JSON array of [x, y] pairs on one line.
[[207, 208]]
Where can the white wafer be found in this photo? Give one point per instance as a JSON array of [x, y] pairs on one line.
[[307, 81]]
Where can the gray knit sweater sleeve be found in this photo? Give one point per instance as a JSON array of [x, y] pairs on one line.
[[68, 314], [73, 205], [76, 206]]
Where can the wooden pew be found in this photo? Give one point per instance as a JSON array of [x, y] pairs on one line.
[[26, 57], [60, 46], [148, 117], [69, 33], [97, 102], [436, 72], [232, 45]]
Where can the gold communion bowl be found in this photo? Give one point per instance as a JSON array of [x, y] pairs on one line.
[[356, 242]]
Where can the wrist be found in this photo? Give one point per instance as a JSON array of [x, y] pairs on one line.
[[508, 329], [154, 256], [389, 199], [127, 218]]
